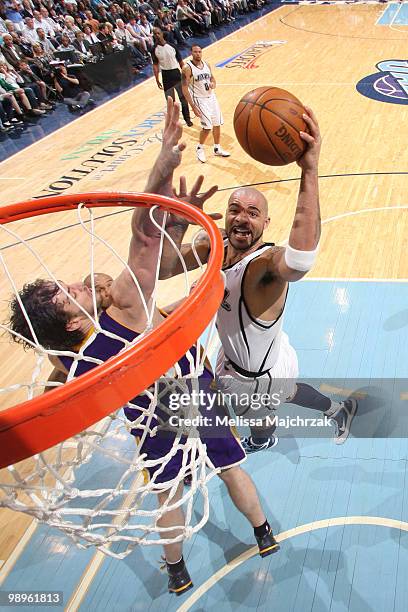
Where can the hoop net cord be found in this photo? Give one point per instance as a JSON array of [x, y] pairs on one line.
[[57, 486]]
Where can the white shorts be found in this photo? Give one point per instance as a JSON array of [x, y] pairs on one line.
[[210, 112], [257, 397]]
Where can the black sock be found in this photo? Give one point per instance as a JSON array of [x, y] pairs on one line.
[[262, 530], [309, 397], [175, 568], [262, 435]]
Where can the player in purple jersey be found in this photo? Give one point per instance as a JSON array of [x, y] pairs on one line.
[[61, 324]]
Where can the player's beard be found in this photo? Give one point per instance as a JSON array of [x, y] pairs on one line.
[[242, 246]]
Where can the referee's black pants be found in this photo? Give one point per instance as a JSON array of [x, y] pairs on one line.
[[172, 81]]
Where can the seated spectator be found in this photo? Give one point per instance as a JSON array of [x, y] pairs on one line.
[[30, 79], [67, 45], [91, 21], [82, 46], [10, 27], [12, 53], [135, 31], [12, 13], [37, 19], [128, 12], [171, 33], [89, 35], [70, 28], [26, 9], [8, 108], [68, 86], [146, 9], [116, 12], [25, 95], [29, 32], [50, 26], [111, 36], [20, 42], [45, 43], [217, 17], [188, 19], [200, 8], [40, 64], [125, 38], [103, 16], [146, 29]]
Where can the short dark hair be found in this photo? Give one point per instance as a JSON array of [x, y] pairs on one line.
[[48, 320]]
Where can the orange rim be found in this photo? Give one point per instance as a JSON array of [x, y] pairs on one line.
[[38, 424]]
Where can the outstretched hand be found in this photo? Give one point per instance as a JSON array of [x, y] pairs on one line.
[[310, 158], [171, 146], [196, 198]]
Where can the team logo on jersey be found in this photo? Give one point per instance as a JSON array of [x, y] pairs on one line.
[[248, 57], [389, 84], [224, 303]]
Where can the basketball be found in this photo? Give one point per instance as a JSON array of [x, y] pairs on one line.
[[267, 122]]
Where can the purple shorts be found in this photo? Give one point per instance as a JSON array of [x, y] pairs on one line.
[[223, 451]]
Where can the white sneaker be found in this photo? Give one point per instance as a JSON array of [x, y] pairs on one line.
[[342, 419], [201, 155], [219, 151]]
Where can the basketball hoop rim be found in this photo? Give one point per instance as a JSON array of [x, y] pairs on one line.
[[38, 424]]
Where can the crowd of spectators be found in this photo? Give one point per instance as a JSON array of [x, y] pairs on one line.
[[41, 39]]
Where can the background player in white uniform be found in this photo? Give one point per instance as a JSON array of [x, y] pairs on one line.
[[256, 356], [198, 85]]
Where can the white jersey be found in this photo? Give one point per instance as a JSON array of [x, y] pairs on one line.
[[200, 82], [252, 346]]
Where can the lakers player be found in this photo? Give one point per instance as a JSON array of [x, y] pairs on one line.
[[63, 324], [198, 84], [256, 357]]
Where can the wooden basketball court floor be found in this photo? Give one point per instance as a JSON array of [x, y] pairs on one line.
[[341, 512]]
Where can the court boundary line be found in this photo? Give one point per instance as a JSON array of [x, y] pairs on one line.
[[230, 188], [377, 521]]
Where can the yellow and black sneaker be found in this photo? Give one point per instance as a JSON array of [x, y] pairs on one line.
[[179, 578], [267, 544]]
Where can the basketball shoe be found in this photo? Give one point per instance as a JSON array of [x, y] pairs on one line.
[[267, 544], [342, 415], [249, 445], [201, 154], [179, 578], [218, 150]]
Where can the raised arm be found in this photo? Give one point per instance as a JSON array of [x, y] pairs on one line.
[[294, 261], [145, 240], [176, 227]]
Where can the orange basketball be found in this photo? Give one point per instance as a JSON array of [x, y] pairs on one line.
[[267, 122]]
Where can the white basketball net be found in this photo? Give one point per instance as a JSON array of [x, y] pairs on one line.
[[63, 486]]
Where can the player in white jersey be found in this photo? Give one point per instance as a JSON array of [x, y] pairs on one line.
[[198, 85], [256, 358]]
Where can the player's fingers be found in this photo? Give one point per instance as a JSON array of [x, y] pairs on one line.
[[197, 185], [215, 216], [175, 111], [183, 187], [311, 113], [307, 137], [209, 193], [167, 118]]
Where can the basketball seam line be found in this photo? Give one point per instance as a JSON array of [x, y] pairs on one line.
[[270, 140], [283, 119]]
